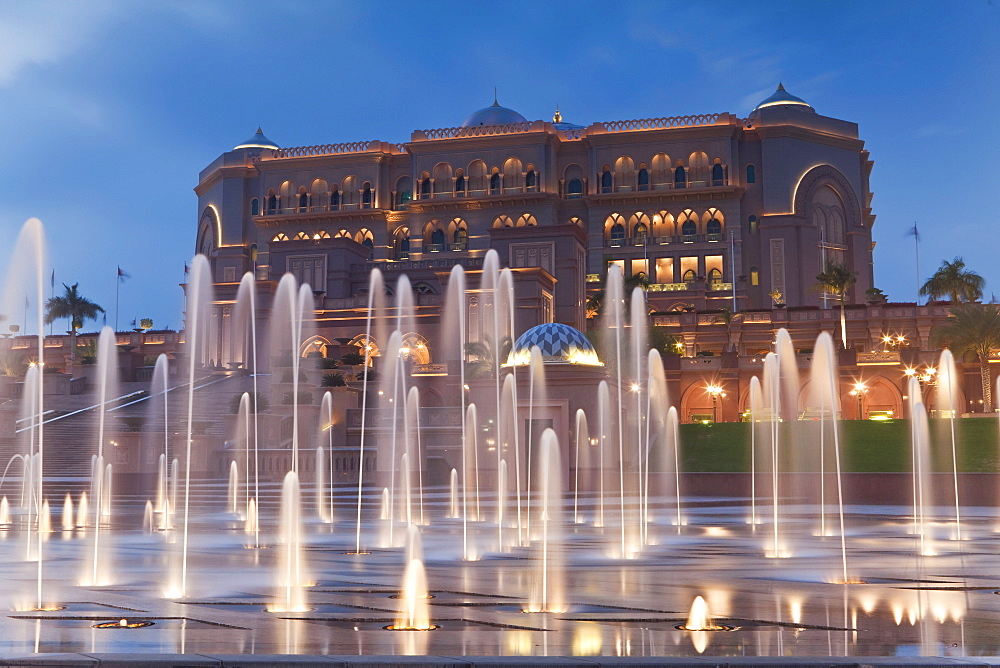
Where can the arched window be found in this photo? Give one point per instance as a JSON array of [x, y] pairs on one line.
[[617, 231], [531, 180], [527, 220], [280, 236], [643, 179], [606, 180], [503, 221], [334, 199], [751, 174], [459, 232], [425, 185], [754, 276], [513, 175], [303, 199], [401, 244], [272, 203], [366, 196], [365, 238], [495, 184], [680, 177], [714, 276], [343, 234], [404, 192], [689, 276], [714, 226], [254, 207], [718, 174], [752, 220], [477, 178], [574, 189], [459, 183], [689, 228], [437, 237], [349, 192], [640, 232]]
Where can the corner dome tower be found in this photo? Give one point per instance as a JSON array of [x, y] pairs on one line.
[[782, 97], [494, 115], [257, 141], [558, 343]]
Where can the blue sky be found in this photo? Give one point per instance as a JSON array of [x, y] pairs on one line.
[[108, 110]]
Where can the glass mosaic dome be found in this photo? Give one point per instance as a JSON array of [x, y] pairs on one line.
[[558, 343]]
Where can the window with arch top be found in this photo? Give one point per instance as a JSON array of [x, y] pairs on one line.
[[751, 174], [689, 276], [574, 189], [366, 196], [495, 184], [680, 177], [643, 179], [718, 175], [689, 228], [606, 180], [254, 207]]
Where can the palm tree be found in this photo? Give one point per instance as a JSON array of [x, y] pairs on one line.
[[727, 317], [838, 279], [482, 360], [74, 306], [953, 281], [595, 303], [973, 328]]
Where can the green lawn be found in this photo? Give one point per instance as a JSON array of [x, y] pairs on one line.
[[866, 446]]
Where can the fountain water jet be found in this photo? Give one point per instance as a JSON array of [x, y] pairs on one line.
[[547, 594], [291, 573]]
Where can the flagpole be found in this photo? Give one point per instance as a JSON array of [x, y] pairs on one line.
[[118, 287], [916, 251], [52, 295]]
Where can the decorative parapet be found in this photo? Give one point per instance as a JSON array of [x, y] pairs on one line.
[[701, 363], [885, 358], [476, 131], [667, 122], [331, 149]]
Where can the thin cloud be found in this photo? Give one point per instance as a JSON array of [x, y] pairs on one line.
[[44, 33]]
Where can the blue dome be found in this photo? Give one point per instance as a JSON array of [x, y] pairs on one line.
[[494, 115], [558, 343], [782, 97], [257, 141]]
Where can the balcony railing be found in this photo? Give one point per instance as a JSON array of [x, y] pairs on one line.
[[621, 242], [718, 286], [434, 248], [668, 287]]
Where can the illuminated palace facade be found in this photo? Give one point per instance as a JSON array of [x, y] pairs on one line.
[[714, 211]]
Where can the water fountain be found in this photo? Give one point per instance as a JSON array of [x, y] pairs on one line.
[[620, 464]]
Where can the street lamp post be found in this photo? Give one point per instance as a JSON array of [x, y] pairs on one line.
[[715, 391], [859, 392]]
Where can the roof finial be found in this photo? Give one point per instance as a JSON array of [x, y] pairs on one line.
[[557, 117], [781, 86], [495, 103], [259, 131]]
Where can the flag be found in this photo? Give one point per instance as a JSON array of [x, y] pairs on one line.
[[122, 275], [52, 282], [186, 269], [913, 232]]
